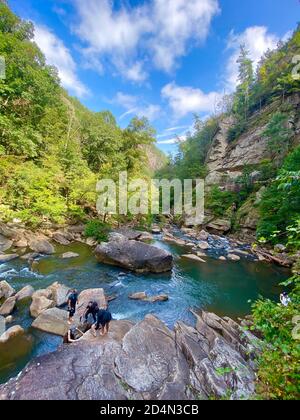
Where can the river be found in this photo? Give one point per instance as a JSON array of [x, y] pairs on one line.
[[224, 287]]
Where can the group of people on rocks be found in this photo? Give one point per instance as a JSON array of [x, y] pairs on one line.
[[100, 315]]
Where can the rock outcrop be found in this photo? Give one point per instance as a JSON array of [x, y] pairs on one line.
[[133, 255], [147, 361]]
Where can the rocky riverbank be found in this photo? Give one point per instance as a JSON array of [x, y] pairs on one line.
[[146, 360]]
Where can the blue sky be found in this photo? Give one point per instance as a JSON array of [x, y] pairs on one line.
[[165, 59]]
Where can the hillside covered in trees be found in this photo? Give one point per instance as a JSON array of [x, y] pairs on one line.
[[52, 148]]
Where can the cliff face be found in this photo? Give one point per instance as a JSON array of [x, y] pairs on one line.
[[225, 161]]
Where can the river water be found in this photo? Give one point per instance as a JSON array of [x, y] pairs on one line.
[[223, 287]]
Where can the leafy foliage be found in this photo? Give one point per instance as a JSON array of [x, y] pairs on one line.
[[98, 230]]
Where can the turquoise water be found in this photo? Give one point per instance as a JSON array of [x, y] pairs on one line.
[[221, 287]]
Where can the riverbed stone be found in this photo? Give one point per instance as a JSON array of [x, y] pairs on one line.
[[135, 256], [5, 243], [53, 321], [145, 298], [8, 306], [69, 255], [8, 257], [41, 245], [233, 257], [59, 294], [6, 290], [25, 293], [193, 257], [203, 245], [11, 333], [219, 225], [138, 296], [40, 304]]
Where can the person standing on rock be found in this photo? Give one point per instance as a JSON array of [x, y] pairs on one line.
[[104, 318], [72, 302]]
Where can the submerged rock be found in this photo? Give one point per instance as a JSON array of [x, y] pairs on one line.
[[193, 257], [134, 255], [144, 361], [145, 298], [68, 255]]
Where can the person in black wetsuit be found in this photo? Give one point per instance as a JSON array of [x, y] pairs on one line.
[[104, 318], [91, 309], [72, 302]]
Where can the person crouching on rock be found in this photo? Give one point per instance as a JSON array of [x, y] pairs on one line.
[[72, 335], [91, 309], [104, 318], [72, 302]]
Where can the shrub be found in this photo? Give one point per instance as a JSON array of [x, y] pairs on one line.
[[97, 230]]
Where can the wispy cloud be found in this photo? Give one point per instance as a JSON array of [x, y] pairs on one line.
[[133, 105], [58, 55], [184, 100], [154, 34]]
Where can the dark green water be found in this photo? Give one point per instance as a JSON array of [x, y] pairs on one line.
[[222, 287]]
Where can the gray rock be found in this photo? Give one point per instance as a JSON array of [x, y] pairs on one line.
[[30, 256], [234, 257], [5, 244], [219, 225], [138, 296], [193, 258], [6, 290], [39, 305], [134, 255], [59, 294], [60, 238], [8, 257], [146, 361], [152, 299], [11, 333], [41, 245], [52, 321], [149, 362], [68, 255], [25, 293], [279, 248], [203, 245], [8, 306]]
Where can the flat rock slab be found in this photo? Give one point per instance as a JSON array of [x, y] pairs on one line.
[[68, 255], [53, 321], [193, 258], [25, 293], [8, 257]]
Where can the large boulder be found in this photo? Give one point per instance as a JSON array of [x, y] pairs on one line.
[[59, 294], [11, 333], [6, 290], [41, 245], [8, 306], [89, 295], [134, 255], [219, 226], [39, 305], [52, 321], [25, 293], [145, 298]]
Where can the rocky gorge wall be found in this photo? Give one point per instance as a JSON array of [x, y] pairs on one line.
[[225, 161]]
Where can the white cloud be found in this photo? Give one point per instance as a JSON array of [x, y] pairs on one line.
[[135, 106], [257, 40], [159, 31], [174, 140], [177, 23], [58, 55], [185, 100]]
